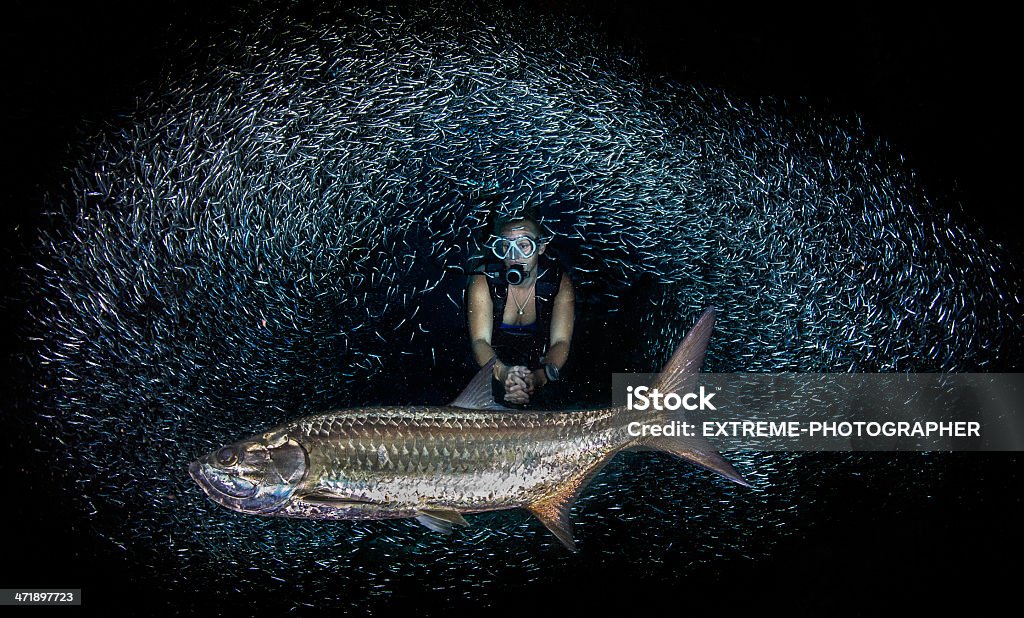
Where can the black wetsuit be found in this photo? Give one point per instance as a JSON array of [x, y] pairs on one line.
[[525, 344]]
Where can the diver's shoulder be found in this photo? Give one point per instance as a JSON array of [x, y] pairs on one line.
[[566, 289], [478, 282]]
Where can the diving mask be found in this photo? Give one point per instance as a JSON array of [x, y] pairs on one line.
[[513, 248]]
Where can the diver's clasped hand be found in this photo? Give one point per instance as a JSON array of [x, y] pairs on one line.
[[518, 384]]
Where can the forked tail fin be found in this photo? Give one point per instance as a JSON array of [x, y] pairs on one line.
[[679, 376]]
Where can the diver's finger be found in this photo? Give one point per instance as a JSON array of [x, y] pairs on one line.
[[517, 384], [515, 388], [517, 398], [515, 378]]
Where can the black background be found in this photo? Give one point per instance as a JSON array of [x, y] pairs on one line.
[[934, 81]]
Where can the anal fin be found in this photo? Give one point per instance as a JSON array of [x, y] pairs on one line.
[[553, 509], [554, 514], [440, 519]]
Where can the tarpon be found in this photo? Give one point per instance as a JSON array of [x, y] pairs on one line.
[[437, 463]]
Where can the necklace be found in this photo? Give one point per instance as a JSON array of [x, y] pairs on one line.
[[521, 307]]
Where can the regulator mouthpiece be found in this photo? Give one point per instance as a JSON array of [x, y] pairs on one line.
[[515, 274]]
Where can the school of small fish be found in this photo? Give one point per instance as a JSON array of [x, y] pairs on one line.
[[283, 221]]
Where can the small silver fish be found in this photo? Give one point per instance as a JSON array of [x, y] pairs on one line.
[[438, 463]]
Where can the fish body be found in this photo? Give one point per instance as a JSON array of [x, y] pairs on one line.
[[437, 463], [404, 458]]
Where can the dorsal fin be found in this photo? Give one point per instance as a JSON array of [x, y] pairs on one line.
[[477, 395], [688, 357]]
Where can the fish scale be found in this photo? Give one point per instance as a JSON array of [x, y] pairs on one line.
[[476, 452]]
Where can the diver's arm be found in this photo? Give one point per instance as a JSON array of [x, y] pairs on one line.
[[563, 315], [480, 311], [481, 324], [479, 308]]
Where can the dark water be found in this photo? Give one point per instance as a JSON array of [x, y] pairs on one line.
[[233, 250]]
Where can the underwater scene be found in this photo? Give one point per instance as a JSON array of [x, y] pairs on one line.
[[248, 246]]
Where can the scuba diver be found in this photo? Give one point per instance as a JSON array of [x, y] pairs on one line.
[[521, 312]]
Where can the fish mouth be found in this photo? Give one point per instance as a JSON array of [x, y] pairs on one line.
[[220, 485]]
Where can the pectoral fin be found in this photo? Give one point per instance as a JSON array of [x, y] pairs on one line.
[[440, 519], [324, 498]]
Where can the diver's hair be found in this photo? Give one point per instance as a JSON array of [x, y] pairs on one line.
[[527, 213]]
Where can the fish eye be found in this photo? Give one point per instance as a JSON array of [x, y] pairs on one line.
[[227, 456]]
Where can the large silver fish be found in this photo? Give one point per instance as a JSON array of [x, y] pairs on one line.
[[437, 463]]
